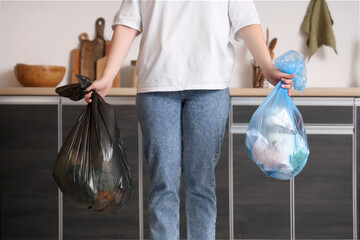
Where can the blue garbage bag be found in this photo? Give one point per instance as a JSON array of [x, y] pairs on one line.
[[276, 139]]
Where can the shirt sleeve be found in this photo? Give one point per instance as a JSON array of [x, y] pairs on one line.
[[129, 15], [242, 13]]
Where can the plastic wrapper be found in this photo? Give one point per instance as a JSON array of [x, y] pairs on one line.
[[276, 139], [91, 168]]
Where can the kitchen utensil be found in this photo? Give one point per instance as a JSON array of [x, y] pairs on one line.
[[90, 51], [75, 59], [39, 75], [75, 64], [258, 76], [272, 43], [255, 69], [133, 74], [272, 46]]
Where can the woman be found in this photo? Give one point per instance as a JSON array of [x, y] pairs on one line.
[[184, 69]]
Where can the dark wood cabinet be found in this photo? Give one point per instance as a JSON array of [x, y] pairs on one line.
[[250, 204], [28, 148], [323, 190], [261, 203]]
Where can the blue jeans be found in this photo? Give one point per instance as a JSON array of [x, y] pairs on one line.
[[182, 132]]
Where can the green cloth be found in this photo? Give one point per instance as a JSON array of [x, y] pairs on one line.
[[317, 24]]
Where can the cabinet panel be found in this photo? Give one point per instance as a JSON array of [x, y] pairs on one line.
[[85, 224], [327, 114], [310, 114], [323, 190], [222, 194], [261, 204], [243, 114], [28, 149]]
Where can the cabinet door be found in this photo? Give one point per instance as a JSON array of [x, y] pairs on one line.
[[28, 149], [323, 190], [86, 224], [261, 203]]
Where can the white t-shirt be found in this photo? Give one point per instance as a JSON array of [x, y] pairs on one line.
[[185, 44]]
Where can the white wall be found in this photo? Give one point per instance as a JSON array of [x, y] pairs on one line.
[[45, 32]]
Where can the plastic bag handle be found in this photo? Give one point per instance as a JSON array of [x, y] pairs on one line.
[[293, 62]]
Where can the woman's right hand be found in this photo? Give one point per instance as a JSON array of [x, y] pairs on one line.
[[102, 87]]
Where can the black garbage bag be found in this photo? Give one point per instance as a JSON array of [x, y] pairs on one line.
[[91, 168]]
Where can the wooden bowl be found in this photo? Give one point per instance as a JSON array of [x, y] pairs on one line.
[[39, 75]]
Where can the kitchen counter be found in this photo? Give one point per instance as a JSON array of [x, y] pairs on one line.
[[35, 122], [234, 92]]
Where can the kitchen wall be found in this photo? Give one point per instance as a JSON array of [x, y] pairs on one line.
[[45, 32]]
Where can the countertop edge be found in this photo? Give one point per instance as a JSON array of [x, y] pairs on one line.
[[234, 92]]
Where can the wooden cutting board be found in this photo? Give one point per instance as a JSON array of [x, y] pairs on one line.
[[91, 51], [75, 64], [100, 65]]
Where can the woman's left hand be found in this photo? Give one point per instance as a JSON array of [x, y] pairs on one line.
[[274, 75]]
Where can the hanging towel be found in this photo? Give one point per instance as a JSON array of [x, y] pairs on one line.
[[317, 24]]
